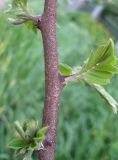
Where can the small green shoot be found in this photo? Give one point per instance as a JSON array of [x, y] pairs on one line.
[[22, 13], [29, 138], [97, 70]]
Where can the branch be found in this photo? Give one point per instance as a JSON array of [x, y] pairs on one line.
[[53, 80], [70, 78]]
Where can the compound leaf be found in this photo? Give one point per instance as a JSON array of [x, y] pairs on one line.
[[100, 66]]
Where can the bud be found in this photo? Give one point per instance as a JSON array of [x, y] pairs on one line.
[[16, 21]]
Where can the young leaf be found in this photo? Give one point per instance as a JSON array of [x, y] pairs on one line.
[[64, 69], [100, 66], [31, 130], [25, 124], [24, 2], [109, 99], [17, 3], [19, 129], [17, 143], [16, 21], [41, 132], [31, 25]]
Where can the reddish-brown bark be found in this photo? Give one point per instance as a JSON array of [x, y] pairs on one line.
[[53, 80]]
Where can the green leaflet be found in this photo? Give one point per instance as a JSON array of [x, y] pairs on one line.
[[100, 66], [65, 70], [41, 132], [17, 143], [17, 3], [92, 79], [109, 99], [105, 67], [19, 129]]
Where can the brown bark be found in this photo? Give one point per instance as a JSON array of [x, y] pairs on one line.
[[53, 80]]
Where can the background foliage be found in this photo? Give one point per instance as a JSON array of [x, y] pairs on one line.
[[87, 127]]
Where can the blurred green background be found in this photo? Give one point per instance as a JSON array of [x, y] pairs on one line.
[[87, 127]]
